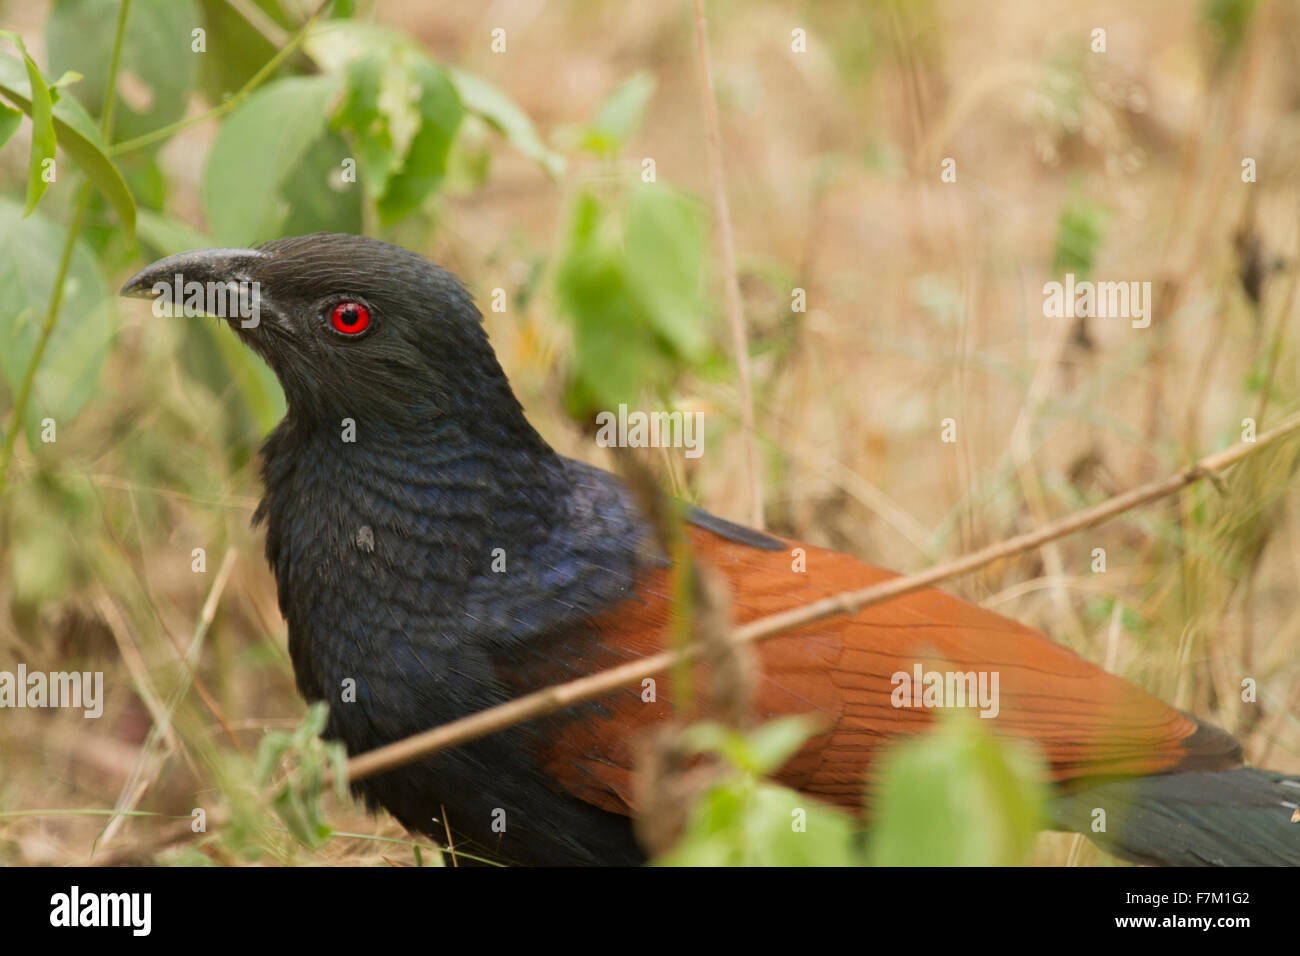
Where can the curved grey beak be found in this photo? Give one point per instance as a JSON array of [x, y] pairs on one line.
[[197, 265], [216, 282]]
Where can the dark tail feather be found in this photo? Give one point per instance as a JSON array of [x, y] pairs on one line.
[[1212, 818]]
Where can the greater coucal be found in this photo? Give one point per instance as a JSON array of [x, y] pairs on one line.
[[383, 550]]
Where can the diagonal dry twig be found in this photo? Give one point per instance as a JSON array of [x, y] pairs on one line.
[[555, 698]]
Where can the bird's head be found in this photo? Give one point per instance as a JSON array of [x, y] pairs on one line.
[[350, 325]]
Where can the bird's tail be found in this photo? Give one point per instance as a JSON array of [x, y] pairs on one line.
[[1242, 817]]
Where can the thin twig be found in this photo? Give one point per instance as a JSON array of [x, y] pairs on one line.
[[555, 698], [727, 244]]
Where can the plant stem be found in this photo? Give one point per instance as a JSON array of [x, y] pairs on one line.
[[110, 88]]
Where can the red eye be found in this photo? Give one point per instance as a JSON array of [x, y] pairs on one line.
[[350, 318]]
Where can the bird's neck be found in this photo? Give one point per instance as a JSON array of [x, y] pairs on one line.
[[482, 518]]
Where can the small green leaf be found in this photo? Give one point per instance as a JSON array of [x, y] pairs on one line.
[[269, 751], [313, 725], [10, 119], [78, 137], [40, 109], [619, 115], [67, 79], [773, 743], [1079, 234], [492, 105]]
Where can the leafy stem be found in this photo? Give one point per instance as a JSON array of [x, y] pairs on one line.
[[65, 259], [256, 80]]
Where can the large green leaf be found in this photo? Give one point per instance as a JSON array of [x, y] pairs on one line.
[[157, 69], [258, 148], [77, 135], [29, 258], [319, 200]]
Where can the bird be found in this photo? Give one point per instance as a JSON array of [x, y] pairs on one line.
[[434, 556]]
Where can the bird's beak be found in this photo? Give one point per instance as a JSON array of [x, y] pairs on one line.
[[197, 265], [218, 282]]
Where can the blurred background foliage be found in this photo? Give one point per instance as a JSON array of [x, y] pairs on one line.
[[525, 172]]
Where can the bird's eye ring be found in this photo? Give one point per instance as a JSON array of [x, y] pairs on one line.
[[350, 318]]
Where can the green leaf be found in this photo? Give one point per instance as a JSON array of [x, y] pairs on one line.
[[744, 821], [380, 115], [79, 139], [257, 149], [10, 119], [619, 115], [1079, 234], [68, 78], [497, 109], [632, 286], [773, 743], [313, 725], [425, 163], [761, 752], [958, 796], [40, 108], [740, 823], [667, 249], [319, 199], [29, 256], [270, 749], [235, 50], [157, 69], [401, 111]]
